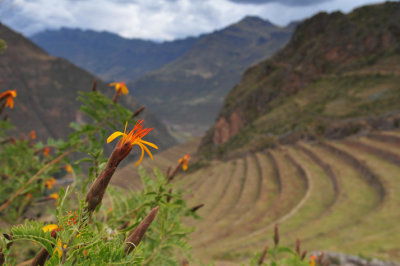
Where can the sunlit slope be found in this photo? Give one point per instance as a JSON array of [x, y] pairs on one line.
[[334, 195]]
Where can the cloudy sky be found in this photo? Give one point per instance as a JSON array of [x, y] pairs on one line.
[[158, 19]]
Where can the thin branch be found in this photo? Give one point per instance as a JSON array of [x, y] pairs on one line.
[[33, 178]]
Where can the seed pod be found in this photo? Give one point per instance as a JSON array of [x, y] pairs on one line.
[[276, 235], [40, 258], [195, 208], [138, 111], [303, 255], [263, 254], [298, 247], [137, 234], [168, 171], [168, 196], [94, 85], [97, 190]]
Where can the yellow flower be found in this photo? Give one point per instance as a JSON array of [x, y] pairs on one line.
[[9, 95], [185, 161], [120, 87], [54, 196], [50, 183], [134, 137], [49, 228]]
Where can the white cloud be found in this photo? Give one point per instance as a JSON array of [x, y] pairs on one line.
[[152, 19]]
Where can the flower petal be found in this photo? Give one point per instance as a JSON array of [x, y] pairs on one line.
[[147, 150], [126, 124], [149, 144], [114, 135], [141, 156], [124, 89]]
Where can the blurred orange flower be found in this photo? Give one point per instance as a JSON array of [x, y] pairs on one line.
[[185, 162], [120, 87], [134, 137], [46, 151], [54, 196], [9, 95], [32, 134], [68, 168], [50, 183]]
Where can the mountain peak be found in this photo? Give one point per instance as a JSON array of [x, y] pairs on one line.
[[254, 20]]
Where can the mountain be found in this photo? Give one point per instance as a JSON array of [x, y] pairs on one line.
[[47, 89], [337, 76], [188, 92], [108, 55]]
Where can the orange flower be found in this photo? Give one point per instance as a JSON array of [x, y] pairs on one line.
[[9, 95], [46, 151], [184, 160], [68, 168], [134, 137], [50, 183], [32, 134], [120, 87], [312, 260], [28, 196]]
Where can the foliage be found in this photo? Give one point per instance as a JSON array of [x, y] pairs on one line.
[[3, 45], [282, 255], [78, 235]]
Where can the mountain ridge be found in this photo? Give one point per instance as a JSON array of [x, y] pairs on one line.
[[105, 53]]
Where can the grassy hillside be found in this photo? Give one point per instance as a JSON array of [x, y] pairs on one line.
[[338, 195], [337, 76]]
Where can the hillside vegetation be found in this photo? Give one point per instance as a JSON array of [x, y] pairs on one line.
[[337, 76]]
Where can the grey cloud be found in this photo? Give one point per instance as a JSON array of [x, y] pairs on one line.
[[283, 2]]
